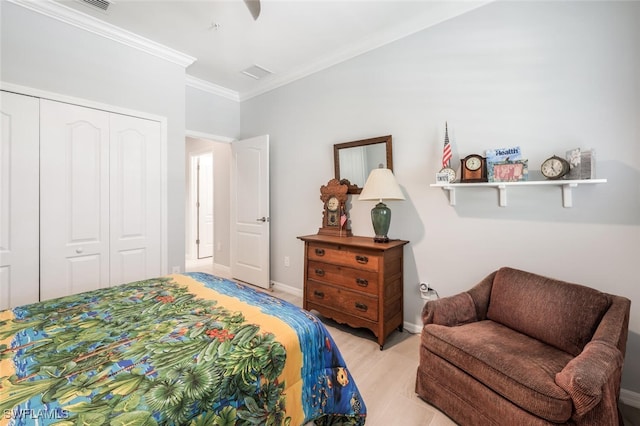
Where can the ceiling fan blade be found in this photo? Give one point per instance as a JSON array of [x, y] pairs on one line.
[[254, 8]]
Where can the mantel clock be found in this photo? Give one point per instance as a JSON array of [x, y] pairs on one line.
[[334, 216]]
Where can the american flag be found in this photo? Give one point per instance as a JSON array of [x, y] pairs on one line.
[[343, 217], [446, 151]]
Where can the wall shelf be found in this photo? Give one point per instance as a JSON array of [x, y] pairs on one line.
[[565, 185]]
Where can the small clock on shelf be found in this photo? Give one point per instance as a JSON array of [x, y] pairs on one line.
[[334, 196], [554, 168], [474, 169], [446, 175]]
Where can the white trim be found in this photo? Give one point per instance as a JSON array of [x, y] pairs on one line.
[[208, 136], [412, 328], [164, 239], [285, 288], [94, 25], [419, 23], [44, 94], [630, 398], [212, 88]]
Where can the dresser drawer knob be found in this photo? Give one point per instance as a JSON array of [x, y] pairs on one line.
[[319, 272], [362, 282], [362, 259], [319, 252], [319, 294], [361, 307]]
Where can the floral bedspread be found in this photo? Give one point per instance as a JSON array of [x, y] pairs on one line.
[[185, 349]]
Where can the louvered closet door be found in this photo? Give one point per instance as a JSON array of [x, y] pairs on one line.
[[74, 199], [18, 200], [135, 199]]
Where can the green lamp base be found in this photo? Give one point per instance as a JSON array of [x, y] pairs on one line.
[[381, 219]]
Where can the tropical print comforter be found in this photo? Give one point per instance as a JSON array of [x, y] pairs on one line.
[[189, 349]]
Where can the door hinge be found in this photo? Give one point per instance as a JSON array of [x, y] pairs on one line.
[[197, 241]]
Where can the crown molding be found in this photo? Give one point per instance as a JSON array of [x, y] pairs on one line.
[[208, 136], [89, 23], [415, 25], [212, 88]]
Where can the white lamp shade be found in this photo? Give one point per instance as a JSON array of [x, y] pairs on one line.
[[381, 185]]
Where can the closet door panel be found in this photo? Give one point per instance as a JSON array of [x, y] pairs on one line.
[[135, 199], [19, 227], [74, 199]]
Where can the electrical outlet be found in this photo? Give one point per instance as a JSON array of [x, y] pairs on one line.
[[427, 292], [175, 270], [287, 261]]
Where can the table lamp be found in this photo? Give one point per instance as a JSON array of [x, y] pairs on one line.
[[381, 185]]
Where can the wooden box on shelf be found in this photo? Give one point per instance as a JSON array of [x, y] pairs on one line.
[[355, 281]]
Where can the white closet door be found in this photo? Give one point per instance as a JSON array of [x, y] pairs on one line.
[[74, 199], [18, 200], [135, 199]]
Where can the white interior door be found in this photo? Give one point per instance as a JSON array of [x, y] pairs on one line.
[[19, 186], [74, 199], [135, 199], [205, 205], [250, 210]]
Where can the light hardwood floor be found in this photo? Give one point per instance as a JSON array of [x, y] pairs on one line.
[[386, 379]]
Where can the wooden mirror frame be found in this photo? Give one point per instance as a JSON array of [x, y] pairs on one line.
[[355, 189]]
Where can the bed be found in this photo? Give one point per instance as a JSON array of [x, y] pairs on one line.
[[184, 349]]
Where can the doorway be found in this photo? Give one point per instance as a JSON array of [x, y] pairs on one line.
[[211, 189], [202, 167], [200, 196]]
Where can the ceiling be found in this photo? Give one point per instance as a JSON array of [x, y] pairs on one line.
[[290, 38]]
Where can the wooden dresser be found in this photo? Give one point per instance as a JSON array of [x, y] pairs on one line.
[[355, 281]]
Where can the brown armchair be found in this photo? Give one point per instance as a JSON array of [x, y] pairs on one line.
[[520, 348]]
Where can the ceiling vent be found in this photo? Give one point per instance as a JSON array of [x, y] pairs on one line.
[[256, 72], [100, 4]]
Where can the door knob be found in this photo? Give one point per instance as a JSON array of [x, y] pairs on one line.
[[263, 219]]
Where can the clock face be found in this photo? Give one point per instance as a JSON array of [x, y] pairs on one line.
[[473, 163], [333, 204], [554, 168], [451, 174]]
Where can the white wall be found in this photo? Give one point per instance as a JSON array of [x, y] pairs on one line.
[[547, 76], [45, 54], [212, 114]]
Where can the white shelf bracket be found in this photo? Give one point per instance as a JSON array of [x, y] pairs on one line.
[[452, 194], [567, 198], [502, 195]]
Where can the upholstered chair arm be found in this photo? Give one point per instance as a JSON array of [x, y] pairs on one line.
[[584, 378], [481, 293], [450, 311], [461, 308], [614, 326]]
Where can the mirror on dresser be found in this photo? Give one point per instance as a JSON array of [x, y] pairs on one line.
[[353, 161]]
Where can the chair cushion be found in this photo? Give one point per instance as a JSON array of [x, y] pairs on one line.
[[516, 366], [556, 312]]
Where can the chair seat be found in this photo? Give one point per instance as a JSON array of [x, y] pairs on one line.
[[516, 366]]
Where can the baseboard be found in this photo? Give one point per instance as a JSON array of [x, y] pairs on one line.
[[630, 398], [287, 288], [412, 328]]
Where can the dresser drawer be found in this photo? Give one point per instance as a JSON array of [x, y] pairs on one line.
[[346, 256], [349, 302], [356, 279]]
